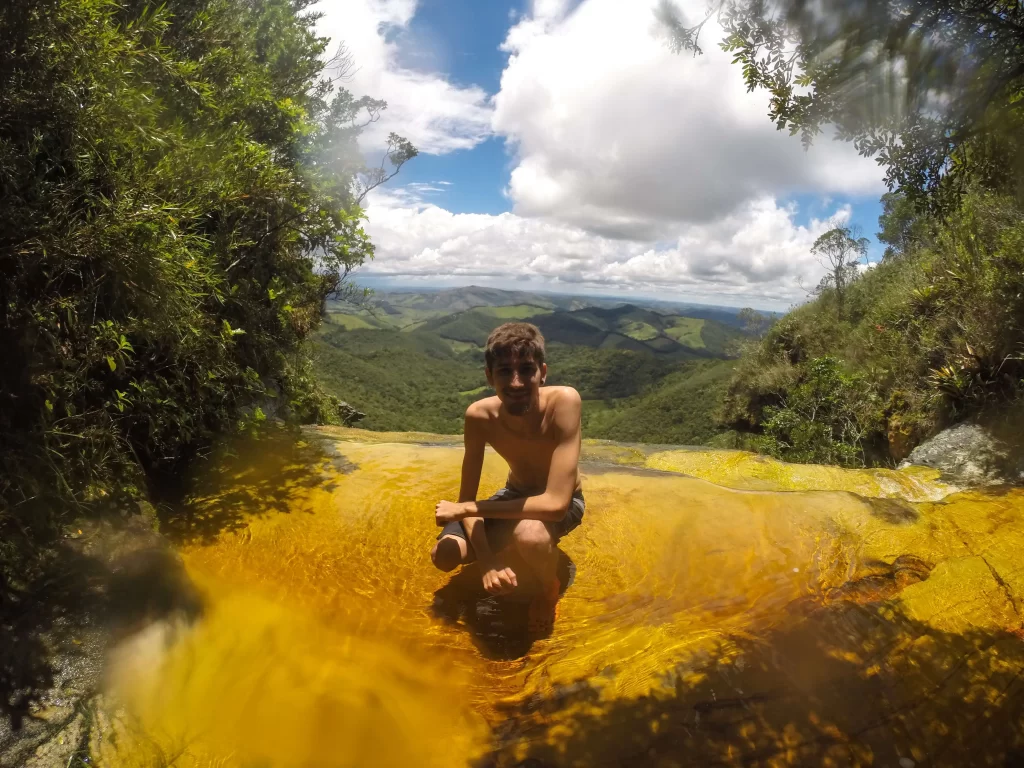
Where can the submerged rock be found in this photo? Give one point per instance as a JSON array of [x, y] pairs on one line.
[[769, 614]]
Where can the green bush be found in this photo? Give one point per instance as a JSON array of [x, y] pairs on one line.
[[818, 420], [175, 190], [928, 337]]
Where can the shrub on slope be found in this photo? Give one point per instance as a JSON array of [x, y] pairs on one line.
[[926, 338]]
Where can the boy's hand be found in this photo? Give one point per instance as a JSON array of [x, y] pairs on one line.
[[448, 511], [498, 579]]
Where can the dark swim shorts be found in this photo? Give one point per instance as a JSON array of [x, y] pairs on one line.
[[499, 532]]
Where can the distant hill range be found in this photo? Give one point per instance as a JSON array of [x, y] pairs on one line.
[[651, 372], [450, 300], [465, 317]]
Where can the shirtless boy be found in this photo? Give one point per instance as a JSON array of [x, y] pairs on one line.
[[536, 429]]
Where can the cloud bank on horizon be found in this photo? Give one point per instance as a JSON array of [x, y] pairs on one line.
[[633, 168]]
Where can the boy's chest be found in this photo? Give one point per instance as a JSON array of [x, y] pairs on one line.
[[524, 453]]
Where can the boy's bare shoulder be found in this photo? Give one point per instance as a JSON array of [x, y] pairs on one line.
[[564, 395], [483, 410]]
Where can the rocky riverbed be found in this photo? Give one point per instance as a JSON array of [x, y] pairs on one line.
[[721, 608]]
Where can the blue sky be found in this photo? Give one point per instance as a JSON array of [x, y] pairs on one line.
[[563, 147], [464, 39]]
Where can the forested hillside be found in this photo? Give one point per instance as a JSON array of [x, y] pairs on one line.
[[179, 186], [680, 408], [400, 381], [884, 357], [638, 370], [930, 336]]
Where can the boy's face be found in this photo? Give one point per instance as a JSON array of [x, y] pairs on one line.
[[517, 382]]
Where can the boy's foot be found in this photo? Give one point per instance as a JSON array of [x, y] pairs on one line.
[[543, 610]]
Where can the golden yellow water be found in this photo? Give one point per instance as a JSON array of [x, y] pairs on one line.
[[747, 612]]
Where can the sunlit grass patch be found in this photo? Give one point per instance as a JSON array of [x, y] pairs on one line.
[[686, 330], [515, 311], [639, 330]]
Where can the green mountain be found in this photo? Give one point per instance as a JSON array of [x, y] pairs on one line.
[[643, 373], [402, 381], [643, 330], [475, 325], [622, 326], [408, 310], [457, 299]]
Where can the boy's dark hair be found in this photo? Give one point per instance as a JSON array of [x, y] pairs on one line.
[[518, 339]]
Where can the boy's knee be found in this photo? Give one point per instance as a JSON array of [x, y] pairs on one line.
[[532, 535], [446, 554]]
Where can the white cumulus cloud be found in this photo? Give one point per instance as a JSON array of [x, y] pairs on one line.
[[615, 133], [755, 255], [434, 114], [632, 169]]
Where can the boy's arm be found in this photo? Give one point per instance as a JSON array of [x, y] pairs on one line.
[[475, 441], [549, 506], [497, 579]]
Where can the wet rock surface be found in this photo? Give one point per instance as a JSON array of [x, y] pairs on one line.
[[110, 579], [974, 453], [724, 609], [717, 608]]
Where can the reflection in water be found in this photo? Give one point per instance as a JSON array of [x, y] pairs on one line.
[[498, 626], [705, 625]]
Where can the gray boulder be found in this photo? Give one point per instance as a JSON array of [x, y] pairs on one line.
[[974, 453]]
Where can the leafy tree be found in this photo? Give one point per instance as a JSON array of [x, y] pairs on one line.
[[817, 420], [931, 87], [176, 186], [839, 252], [399, 151], [754, 323], [903, 225]]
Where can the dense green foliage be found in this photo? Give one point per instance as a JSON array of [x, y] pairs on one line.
[[417, 381], [176, 190], [817, 419], [926, 338], [402, 381], [679, 408], [902, 229]]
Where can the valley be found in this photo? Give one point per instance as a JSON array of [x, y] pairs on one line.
[[647, 372]]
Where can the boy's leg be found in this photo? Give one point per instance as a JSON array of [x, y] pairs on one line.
[[452, 549], [536, 546]]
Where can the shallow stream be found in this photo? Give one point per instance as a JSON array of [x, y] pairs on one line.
[[745, 612]]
